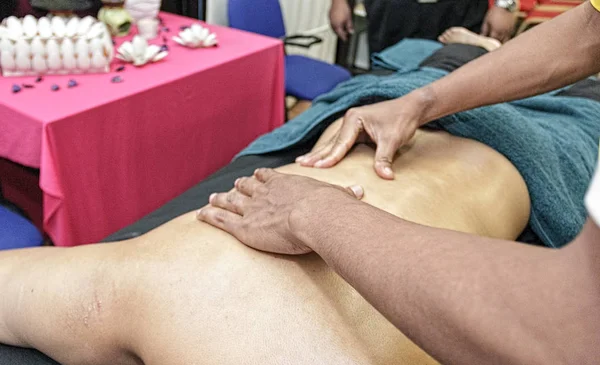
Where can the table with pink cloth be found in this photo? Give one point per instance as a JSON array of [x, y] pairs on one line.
[[110, 153]]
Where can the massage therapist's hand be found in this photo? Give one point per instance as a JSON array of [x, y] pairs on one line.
[[389, 124], [257, 212]]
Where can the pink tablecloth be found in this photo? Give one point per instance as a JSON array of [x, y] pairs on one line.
[[110, 153]]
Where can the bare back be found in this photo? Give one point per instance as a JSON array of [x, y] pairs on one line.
[[197, 296]]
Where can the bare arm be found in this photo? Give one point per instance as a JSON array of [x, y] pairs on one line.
[[61, 302], [464, 299], [551, 55]]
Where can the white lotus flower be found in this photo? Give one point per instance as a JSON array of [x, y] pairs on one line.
[[139, 52], [196, 36]]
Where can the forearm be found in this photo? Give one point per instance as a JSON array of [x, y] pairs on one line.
[[551, 55], [464, 299]]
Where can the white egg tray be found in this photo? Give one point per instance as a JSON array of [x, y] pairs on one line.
[[54, 46]]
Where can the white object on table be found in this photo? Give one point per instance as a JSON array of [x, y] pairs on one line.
[[142, 9], [54, 45], [196, 36], [139, 52], [148, 28]]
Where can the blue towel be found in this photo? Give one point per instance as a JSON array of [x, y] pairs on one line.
[[552, 140]]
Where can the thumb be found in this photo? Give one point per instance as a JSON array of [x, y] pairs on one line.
[[384, 156], [356, 191], [349, 26]]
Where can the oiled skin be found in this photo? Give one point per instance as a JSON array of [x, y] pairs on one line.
[[188, 293]]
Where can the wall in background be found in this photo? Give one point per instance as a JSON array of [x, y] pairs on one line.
[[216, 12], [308, 17]]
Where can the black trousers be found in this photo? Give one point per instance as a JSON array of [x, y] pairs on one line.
[[448, 58], [393, 20]]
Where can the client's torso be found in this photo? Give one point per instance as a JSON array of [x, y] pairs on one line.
[[207, 299]]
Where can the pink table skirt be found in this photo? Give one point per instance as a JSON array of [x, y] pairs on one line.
[[111, 153]]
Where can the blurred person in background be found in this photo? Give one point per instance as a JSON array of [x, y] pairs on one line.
[[392, 20]]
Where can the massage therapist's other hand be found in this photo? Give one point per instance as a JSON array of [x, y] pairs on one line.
[[389, 124], [340, 17], [498, 23], [257, 212]]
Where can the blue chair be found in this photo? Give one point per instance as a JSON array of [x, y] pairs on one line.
[[16, 231], [305, 78]]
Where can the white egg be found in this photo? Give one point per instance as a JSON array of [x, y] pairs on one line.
[[109, 48], [37, 46], [6, 45], [69, 61], [82, 47], [14, 27], [98, 60], [30, 26], [83, 62], [39, 64], [58, 26], [44, 28], [23, 62], [67, 46], [96, 30], [22, 47], [52, 47], [96, 45], [72, 26], [7, 61], [84, 25], [54, 61]]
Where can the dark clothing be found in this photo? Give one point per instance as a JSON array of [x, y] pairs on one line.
[[7, 8], [453, 56], [447, 58], [392, 20]]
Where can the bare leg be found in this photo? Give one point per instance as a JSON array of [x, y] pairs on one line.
[[464, 36]]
